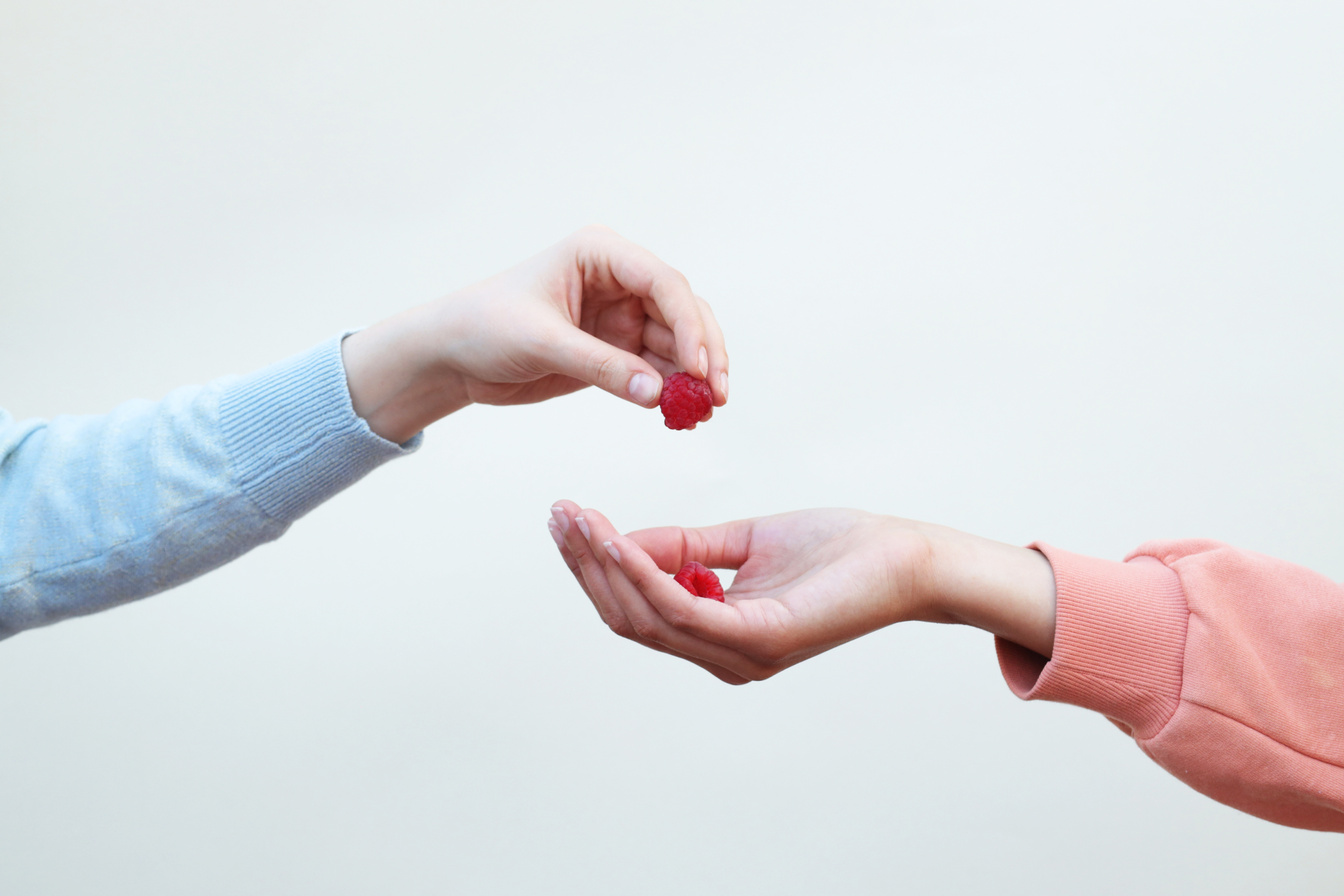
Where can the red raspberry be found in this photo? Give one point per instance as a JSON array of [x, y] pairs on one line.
[[701, 581], [685, 401]]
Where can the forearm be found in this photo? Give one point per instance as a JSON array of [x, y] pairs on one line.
[[96, 511], [1006, 590]]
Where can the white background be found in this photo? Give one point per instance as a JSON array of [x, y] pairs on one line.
[[1038, 270]]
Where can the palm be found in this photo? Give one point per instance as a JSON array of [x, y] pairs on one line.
[[811, 579]]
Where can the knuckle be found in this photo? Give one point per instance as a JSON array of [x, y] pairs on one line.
[[643, 580], [605, 368], [678, 618], [593, 233], [645, 628]]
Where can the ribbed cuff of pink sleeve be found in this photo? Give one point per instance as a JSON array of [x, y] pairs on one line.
[[1119, 642]]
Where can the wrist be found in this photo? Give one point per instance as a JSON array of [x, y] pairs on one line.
[[398, 382], [1006, 590]]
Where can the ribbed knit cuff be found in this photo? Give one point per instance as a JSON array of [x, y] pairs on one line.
[[293, 437], [1119, 641]]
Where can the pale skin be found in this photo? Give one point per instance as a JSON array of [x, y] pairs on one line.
[[594, 309], [806, 582]]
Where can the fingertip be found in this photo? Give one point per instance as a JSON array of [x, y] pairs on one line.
[[643, 388], [703, 358], [615, 543], [596, 528], [584, 357]]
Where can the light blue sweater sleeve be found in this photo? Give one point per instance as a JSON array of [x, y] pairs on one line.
[[96, 511]]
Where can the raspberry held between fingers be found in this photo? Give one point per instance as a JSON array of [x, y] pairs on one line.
[[701, 581], [685, 401]]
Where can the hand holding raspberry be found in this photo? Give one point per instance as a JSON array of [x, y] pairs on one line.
[[594, 309]]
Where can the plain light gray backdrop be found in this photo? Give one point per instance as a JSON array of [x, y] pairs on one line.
[[1062, 272]]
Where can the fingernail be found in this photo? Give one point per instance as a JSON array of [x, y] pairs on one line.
[[611, 549], [583, 526], [723, 384], [554, 529], [704, 363], [642, 388], [560, 519]]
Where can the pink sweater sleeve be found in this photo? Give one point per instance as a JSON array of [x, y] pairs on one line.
[[1227, 668]]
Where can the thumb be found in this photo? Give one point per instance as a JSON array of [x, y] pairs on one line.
[[725, 546], [588, 359]]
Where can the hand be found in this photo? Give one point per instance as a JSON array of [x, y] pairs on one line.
[[807, 581], [594, 309]]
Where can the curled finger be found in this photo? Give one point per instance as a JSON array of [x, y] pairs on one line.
[[589, 573], [650, 623], [566, 528]]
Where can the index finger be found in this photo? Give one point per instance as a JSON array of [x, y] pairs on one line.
[[699, 343], [725, 546]]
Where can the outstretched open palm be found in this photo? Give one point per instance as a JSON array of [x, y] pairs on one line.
[[806, 582]]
